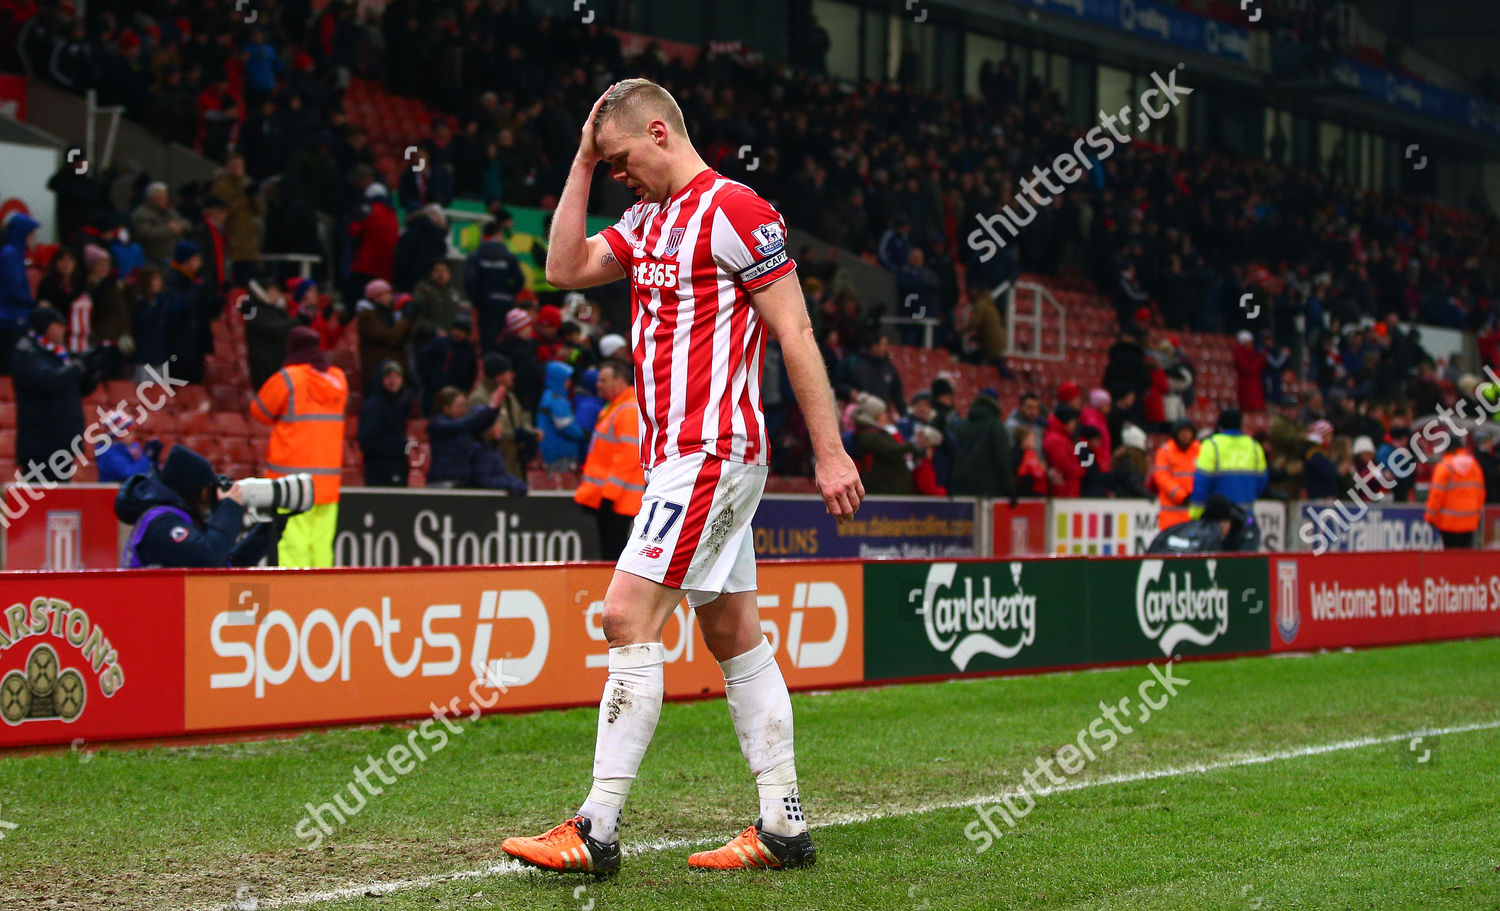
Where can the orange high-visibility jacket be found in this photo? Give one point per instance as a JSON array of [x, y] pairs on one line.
[[613, 469], [1456, 496], [1172, 476], [305, 407]]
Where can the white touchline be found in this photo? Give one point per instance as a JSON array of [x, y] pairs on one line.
[[846, 819]]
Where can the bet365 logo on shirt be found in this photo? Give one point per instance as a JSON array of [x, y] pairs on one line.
[[651, 274]]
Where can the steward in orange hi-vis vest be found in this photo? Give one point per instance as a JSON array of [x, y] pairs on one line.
[[304, 404], [305, 407], [613, 468], [612, 472], [1455, 498], [1172, 474]]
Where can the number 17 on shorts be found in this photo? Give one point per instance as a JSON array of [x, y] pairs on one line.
[[694, 525]]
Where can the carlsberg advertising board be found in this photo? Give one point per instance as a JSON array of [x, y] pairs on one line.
[[1153, 609], [927, 619], [962, 617]]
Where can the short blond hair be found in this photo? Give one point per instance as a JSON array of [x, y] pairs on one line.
[[640, 101]]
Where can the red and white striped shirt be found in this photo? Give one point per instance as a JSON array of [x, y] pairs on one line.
[[696, 340]]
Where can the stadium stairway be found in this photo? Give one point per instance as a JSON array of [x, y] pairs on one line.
[[392, 122]]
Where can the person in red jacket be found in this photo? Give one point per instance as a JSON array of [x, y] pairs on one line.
[[374, 238], [1249, 368], [1059, 445], [923, 475], [1095, 414], [1156, 395]]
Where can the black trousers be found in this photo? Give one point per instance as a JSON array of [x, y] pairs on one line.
[[614, 530], [1458, 540]]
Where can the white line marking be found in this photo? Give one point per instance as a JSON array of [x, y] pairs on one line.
[[845, 819]]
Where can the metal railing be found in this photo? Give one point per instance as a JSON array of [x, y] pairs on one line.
[[1039, 298], [304, 261], [928, 326]]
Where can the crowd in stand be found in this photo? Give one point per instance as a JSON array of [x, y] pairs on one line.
[[892, 173]]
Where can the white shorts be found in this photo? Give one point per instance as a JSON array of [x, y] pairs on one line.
[[693, 530]]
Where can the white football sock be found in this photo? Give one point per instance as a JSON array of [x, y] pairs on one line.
[[627, 719], [762, 713]]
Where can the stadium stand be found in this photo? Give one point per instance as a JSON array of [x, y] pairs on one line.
[[1168, 237]]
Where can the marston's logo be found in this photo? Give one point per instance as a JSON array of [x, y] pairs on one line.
[[960, 619], [42, 693], [45, 690], [1171, 611]]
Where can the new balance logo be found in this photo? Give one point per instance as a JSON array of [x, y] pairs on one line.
[[651, 552]]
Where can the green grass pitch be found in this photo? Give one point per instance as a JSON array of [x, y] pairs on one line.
[[1266, 783]]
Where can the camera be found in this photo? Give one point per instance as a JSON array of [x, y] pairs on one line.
[[292, 493]]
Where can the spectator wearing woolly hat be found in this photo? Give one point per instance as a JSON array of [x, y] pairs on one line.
[[1320, 477], [382, 429], [1096, 414], [374, 234], [111, 312], [548, 327], [1065, 470], [1070, 394], [119, 455], [447, 360], [190, 312], [943, 404], [519, 345], [881, 457], [983, 452], [50, 386], [610, 345], [1249, 369], [1130, 465], [513, 433], [383, 333]]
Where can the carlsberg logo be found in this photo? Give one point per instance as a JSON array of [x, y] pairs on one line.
[[962, 617], [1171, 611]]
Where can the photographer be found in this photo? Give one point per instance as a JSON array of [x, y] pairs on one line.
[[181, 521], [1222, 527]]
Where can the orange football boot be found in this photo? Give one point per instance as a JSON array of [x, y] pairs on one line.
[[566, 847], [756, 849]]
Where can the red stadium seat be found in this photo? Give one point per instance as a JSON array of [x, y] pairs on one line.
[[231, 423]]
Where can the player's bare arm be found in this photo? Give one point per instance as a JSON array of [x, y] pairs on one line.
[[782, 308], [575, 260]]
